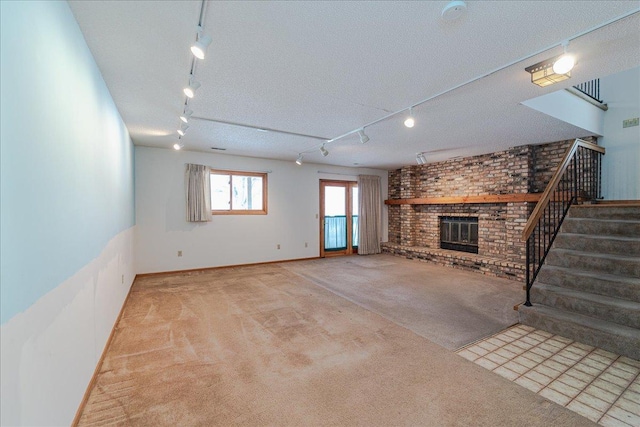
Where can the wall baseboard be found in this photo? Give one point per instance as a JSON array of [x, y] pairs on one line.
[[96, 371], [198, 270]]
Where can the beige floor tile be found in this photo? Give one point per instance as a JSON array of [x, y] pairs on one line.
[[506, 373], [635, 386], [521, 344], [583, 346], [576, 350], [608, 421], [563, 360], [607, 396], [521, 360], [618, 372], [487, 346], [505, 353], [564, 389], [477, 350], [594, 363], [488, 364], [583, 367], [529, 384], [555, 343], [545, 370], [496, 341], [582, 376], [629, 361], [554, 365], [534, 356], [516, 367], [593, 402], [513, 349], [468, 355], [505, 338], [624, 416], [608, 386], [542, 352], [511, 333], [632, 396], [606, 354], [628, 405], [573, 382], [496, 358], [531, 340], [586, 411], [570, 355], [600, 358], [554, 396], [608, 376], [549, 347], [625, 367], [538, 377]]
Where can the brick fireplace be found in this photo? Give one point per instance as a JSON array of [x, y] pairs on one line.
[[440, 190]]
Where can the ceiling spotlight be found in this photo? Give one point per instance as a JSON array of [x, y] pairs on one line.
[[324, 151], [565, 63], [199, 48], [186, 115], [177, 146], [409, 122], [299, 160], [183, 129], [420, 159], [363, 138], [190, 90]]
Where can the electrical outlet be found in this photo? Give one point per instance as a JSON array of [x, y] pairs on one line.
[[278, 246], [629, 123], [179, 253], [122, 280]]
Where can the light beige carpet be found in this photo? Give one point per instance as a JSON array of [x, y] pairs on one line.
[[261, 345]]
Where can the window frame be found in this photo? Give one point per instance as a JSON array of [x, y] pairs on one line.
[[231, 211]]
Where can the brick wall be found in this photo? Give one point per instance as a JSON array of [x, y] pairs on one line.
[[519, 169]]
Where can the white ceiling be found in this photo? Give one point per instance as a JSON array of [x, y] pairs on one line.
[[327, 68]]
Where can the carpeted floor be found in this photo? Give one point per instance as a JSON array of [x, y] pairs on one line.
[[264, 345]]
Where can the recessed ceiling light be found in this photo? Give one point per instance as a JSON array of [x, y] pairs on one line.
[[454, 10], [409, 121]]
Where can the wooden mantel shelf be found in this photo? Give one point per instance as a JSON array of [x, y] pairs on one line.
[[491, 198]]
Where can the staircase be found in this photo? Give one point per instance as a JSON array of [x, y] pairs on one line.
[[589, 286]]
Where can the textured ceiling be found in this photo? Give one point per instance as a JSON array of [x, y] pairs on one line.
[[328, 68]]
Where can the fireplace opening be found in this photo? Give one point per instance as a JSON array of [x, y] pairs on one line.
[[459, 233]]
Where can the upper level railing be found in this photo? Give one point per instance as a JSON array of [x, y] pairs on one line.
[[591, 89], [576, 179]]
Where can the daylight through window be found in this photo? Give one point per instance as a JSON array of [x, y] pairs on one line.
[[238, 193]]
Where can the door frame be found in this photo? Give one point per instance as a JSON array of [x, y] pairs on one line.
[[349, 185]]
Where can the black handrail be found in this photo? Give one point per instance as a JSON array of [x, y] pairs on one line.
[[591, 89], [576, 179]]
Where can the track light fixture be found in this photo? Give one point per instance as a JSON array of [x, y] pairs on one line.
[[190, 90], [324, 151], [183, 130], [199, 48], [565, 63], [409, 122], [177, 146], [299, 160], [363, 137], [186, 115], [420, 159]]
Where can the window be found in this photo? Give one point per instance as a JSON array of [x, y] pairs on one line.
[[238, 193]]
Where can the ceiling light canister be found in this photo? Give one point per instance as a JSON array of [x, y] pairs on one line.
[[190, 90], [299, 160], [420, 159], [363, 137], [199, 48], [186, 116], [177, 146], [324, 151], [409, 122], [183, 129]]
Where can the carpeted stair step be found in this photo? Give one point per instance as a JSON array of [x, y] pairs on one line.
[[613, 310], [602, 263], [616, 245], [625, 228], [630, 212], [596, 283], [610, 336]]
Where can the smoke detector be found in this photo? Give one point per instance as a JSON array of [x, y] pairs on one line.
[[454, 10]]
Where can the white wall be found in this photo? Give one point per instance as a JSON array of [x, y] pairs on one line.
[[620, 164], [66, 214], [162, 230]]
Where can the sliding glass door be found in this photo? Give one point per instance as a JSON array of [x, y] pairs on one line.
[[339, 218]]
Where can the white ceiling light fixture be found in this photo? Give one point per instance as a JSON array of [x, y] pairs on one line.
[[177, 146], [324, 151], [190, 90], [299, 160], [363, 137], [186, 115], [199, 48], [454, 10], [420, 159], [565, 63], [183, 130], [409, 122]]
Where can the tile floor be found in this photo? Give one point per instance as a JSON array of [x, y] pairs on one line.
[[595, 383]]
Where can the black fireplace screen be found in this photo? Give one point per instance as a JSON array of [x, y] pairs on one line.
[[459, 233]]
